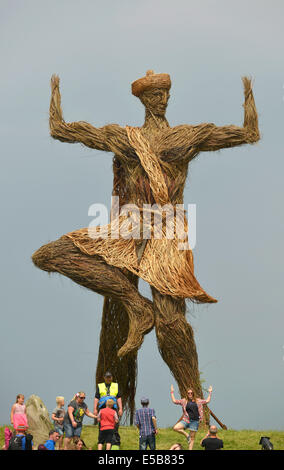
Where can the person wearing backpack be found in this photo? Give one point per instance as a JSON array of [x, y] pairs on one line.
[[21, 440], [107, 418]]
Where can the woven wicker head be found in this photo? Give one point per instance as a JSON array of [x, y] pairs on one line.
[[151, 80]]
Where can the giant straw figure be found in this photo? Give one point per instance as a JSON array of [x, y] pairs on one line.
[[150, 167]]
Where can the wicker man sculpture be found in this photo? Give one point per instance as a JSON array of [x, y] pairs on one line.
[[150, 167]]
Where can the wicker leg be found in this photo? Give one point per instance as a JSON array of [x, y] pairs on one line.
[[63, 257], [176, 341]]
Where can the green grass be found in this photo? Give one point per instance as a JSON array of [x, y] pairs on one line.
[[233, 440]]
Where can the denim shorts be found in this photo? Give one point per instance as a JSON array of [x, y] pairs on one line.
[[193, 425], [59, 430], [71, 432]]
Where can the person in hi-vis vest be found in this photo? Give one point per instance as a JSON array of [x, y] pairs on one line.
[[106, 390]]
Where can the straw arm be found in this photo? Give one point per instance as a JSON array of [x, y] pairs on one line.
[[185, 141], [81, 131], [231, 136]]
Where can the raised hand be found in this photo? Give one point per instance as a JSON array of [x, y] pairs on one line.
[[247, 82], [55, 111]]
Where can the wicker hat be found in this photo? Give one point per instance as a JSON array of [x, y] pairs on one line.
[[151, 80]]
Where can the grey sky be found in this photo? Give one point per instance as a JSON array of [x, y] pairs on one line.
[[50, 326]]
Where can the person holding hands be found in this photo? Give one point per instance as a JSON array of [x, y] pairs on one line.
[[73, 419]]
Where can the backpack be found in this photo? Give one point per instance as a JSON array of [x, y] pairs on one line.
[[16, 442], [104, 399], [265, 443], [29, 444]]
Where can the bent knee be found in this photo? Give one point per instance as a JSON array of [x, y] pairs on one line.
[[53, 255], [176, 427], [47, 256], [42, 257]]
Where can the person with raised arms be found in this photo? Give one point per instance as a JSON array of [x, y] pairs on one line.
[[192, 407]]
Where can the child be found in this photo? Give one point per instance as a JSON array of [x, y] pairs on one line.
[[107, 418], [18, 415], [79, 444], [7, 435], [58, 417]]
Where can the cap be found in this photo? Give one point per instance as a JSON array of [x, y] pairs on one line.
[[108, 374], [144, 400], [151, 80]]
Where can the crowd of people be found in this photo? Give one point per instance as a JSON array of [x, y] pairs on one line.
[[67, 425]]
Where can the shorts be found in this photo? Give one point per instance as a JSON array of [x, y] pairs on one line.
[[71, 432], [59, 430], [193, 425], [106, 436]]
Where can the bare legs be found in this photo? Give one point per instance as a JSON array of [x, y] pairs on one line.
[[67, 441], [179, 427], [60, 443], [192, 439]]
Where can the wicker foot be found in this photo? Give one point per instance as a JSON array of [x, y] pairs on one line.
[[141, 322]]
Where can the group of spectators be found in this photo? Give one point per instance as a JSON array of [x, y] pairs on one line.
[[146, 422], [107, 411]]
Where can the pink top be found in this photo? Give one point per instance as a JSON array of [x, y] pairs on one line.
[[19, 416], [19, 408]]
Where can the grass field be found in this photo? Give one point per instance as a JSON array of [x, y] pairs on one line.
[[233, 440]]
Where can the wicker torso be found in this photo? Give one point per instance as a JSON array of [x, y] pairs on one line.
[[148, 180]]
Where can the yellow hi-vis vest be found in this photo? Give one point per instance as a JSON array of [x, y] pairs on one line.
[[104, 396], [113, 390]]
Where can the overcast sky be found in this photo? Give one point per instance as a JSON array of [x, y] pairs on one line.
[[50, 326]]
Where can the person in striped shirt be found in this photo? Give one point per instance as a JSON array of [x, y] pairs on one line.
[[146, 422]]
